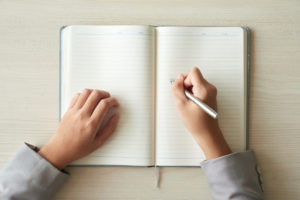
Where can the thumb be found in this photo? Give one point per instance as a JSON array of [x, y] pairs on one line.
[[178, 89]]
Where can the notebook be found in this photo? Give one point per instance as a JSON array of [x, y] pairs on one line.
[[135, 64]]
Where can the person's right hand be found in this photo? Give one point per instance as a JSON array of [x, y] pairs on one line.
[[194, 118], [203, 127]]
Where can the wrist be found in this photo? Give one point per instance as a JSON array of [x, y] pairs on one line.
[[53, 156], [213, 143]]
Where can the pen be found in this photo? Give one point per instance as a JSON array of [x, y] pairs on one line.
[[200, 103]]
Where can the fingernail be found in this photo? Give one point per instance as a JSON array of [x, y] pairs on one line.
[[180, 77]]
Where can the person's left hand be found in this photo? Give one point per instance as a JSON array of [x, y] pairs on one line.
[[79, 131]]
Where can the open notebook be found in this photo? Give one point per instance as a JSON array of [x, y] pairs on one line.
[[135, 64]]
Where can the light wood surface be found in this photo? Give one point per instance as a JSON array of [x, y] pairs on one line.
[[29, 79]]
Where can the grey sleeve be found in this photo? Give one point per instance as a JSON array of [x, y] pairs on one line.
[[28, 176], [234, 176]]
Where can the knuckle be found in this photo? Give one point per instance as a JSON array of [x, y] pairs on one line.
[[195, 69], [90, 125], [113, 100], [86, 90], [214, 90], [105, 93], [211, 89], [96, 93], [205, 93], [80, 115], [104, 103], [88, 129], [101, 93]]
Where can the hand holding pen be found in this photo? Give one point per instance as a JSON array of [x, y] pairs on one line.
[[211, 112], [196, 101]]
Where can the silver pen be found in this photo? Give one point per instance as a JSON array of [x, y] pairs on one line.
[[200, 103]]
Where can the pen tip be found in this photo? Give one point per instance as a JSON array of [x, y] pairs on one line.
[[172, 80]]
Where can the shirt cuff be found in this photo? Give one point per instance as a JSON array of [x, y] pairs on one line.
[[38, 169], [232, 174]]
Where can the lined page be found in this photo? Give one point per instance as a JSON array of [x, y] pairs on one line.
[[118, 59], [219, 53]]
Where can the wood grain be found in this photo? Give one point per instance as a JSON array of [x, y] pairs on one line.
[[29, 69]]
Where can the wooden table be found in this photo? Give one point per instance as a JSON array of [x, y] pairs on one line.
[[29, 73]]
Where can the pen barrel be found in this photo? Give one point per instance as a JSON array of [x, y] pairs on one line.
[[202, 105]]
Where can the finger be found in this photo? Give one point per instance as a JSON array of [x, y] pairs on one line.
[[93, 100], [82, 98], [178, 90], [194, 78], [74, 100], [103, 107], [108, 129]]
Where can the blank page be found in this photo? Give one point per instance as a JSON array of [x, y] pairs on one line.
[[219, 54], [118, 59]]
